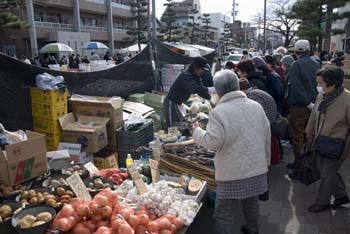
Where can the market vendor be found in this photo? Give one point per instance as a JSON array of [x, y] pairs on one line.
[[187, 83]]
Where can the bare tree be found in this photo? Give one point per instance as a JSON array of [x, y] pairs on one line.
[[280, 20]]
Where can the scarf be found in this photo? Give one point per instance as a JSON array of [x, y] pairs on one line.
[[328, 98]]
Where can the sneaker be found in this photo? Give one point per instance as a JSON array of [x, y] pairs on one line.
[[245, 230], [341, 201], [315, 208]]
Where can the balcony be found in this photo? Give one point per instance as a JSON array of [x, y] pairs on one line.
[[40, 24], [93, 29], [114, 4]]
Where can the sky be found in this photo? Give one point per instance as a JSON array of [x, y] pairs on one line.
[[246, 8]]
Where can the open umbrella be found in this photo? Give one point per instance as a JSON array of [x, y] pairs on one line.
[[53, 48], [94, 45]]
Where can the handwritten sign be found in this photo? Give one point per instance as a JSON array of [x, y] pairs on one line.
[[154, 170], [136, 177], [78, 187], [91, 168]]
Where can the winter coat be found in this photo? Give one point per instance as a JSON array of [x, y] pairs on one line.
[[302, 82], [335, 121], [239, 131], [274, 87]]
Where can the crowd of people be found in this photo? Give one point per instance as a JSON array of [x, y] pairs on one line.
[[258, 99], [72, 61]]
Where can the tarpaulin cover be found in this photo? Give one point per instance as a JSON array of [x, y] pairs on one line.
[[133, 76]]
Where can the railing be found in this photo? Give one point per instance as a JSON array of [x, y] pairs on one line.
[[93, 29], [119, 30], [114, 4], [53, 25]]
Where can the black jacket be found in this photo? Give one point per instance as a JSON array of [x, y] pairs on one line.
[[185, 85], [257, 80]]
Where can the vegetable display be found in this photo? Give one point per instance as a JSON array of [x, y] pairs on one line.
[[114, 174], [5, 212], [29, 221]]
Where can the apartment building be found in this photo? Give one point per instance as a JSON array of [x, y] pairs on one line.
[[73, 22]]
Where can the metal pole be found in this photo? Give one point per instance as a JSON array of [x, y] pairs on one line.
[[154, 23], [265, 41], [32, 29]]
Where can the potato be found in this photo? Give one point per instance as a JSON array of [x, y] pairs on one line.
[[18, 187], [38, 223], [65, 201], [60, 191], [51, 202], [27, 221], [5, 211], [98, 184], [65, 197], [69, 193], [33, 200], [41, 199], [49, 196], [24, 194], [31, 193], [44, 216], [7, 191], [1, 219]]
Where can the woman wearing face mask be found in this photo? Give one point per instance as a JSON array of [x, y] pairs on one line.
[[328, 131]]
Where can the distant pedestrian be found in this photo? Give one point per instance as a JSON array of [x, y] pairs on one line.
[[247, 69], [77, 61], [52, 60], [25, 60], [85, 59], [107, 56], [94, 57], [218, 65], [119, 58], [63, 60]]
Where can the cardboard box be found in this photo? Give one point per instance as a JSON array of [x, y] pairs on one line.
[[90, 131], [101, 107], [24, 160], [106, 158], [75, 153]]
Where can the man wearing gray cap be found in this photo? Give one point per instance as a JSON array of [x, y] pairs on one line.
[[301, 96]]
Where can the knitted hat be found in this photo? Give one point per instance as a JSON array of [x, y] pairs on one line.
[[200, 62], [287, 60], [259, 62]]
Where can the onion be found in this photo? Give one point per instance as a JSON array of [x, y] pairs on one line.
[[90, 225], [94, 207], [173, 228], [179, 223], [106, 212], [164, 223], [67, 210], [63, 225], [125, 213], [83, 210], [125, 229], [165, 232], [133, 220], [141, 229], [153, 226], [101, 200], [144, 220]]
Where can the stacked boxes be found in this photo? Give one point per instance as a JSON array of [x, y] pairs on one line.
[[47, 107], [156, 101], [169, 74]]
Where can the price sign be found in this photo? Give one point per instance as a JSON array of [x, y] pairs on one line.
[[154, 170], [78, 187], [91, 168], [136, 177]]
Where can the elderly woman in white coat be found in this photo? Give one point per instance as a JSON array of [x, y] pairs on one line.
[[239, 132]]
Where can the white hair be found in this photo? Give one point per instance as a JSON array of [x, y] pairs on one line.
[[281, 50], [225, 81]]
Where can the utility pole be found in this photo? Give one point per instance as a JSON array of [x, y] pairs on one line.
[[234, 13], [154, 28], [265, 41]]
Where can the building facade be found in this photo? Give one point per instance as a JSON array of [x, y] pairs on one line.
[[73, 22], [218, 21], [341, 42]]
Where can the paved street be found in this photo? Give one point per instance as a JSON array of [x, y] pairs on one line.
[[286, 211]]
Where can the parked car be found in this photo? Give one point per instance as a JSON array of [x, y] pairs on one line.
[[235, 58]]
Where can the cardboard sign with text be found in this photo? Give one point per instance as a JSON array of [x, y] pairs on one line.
[[136, 177], [154, 170], [91, 168], [78, 187]]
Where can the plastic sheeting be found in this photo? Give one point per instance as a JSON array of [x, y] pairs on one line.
[[133, 76]]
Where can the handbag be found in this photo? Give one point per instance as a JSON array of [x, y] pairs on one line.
[[329, 147], [279, 127], [306, 168]]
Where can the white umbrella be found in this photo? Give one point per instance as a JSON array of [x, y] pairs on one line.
[[53, 48]]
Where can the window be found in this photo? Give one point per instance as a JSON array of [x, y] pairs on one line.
[[38, 16], [82, 20], [91, 22], [54, 18]]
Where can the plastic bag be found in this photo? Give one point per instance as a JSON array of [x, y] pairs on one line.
[[8, 138], [134, 119], [46, 81]]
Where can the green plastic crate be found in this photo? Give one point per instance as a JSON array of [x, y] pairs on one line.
[[154, 100], [137, 97]]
